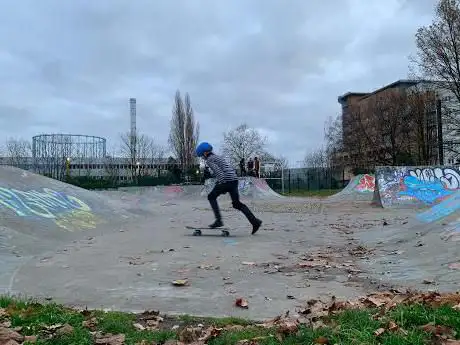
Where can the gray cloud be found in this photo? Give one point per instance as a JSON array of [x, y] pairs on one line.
[[278, 66]]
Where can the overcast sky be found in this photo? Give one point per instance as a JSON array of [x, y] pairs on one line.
[[71, 66]]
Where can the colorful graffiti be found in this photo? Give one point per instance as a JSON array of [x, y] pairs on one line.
[[173, 190], [244, 186], [366, 184], [420, 186], [63, 209], [449, 177], [43, 204], [429, 192], [441, 210]]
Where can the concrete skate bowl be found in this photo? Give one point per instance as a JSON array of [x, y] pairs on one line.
[[248, 187], [414, 187], [360, 188], [423, 249], [38, 213], [147, 197]]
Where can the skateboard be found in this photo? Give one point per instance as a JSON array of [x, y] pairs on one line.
[[197, 231]]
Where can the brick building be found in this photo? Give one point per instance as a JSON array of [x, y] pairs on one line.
[[360, 103]]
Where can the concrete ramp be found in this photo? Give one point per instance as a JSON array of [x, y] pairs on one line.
[[164, 193], [361, 187], [38, 213], [249, 187], [422, 251], [414, 187]]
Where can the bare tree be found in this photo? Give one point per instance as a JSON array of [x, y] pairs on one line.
[[421, 107], [356, 138], [389, 135], [18, 152], [156, 156], [142, 150], [316, 159], [438, 59], [243, 142], [438, 47], [184, 131], [192, 132], [111, 166], [333, 135]]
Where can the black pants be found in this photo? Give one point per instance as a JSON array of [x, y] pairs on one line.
[[231, 188]]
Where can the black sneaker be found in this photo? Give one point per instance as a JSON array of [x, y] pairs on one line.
[[216, 224], [256, 226]]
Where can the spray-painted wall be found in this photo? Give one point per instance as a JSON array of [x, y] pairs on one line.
[[415, 186]]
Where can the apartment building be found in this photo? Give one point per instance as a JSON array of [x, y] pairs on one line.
[[359, 100]]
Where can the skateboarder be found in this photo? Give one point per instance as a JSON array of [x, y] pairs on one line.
[[226, 182]]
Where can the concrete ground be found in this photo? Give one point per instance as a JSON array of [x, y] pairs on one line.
[[306, 249]]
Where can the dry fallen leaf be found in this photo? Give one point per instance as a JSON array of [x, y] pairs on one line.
[[392, 326], [32, 339], [109, 339], [437, 330], [138, 326], [322, 340], [65, 330], [248, 263], [376, 301], [287, 326], [91, 324], [180, 282], [11, 342], [455, 266], [379, 332], [6, 324], [190, 334], [211, 332], [8, 334], [242, 303]]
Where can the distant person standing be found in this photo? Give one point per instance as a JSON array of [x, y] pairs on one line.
[[242, 167], [256, 167], [250, 167]]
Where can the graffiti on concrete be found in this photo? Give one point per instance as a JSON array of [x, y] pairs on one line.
[[63, 209], [430, 191], [244, 186], [173, 190], [77, 220], [449, 177], [44, 204], [261, 184], [423, 186], [366, 184], [441, 210]]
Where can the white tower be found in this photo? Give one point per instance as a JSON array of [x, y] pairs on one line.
[[133, 136]]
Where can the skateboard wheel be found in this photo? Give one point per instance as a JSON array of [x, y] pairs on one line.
[[225, 233], [197, 233]]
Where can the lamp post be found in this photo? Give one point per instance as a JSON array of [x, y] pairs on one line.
[[67, 167]]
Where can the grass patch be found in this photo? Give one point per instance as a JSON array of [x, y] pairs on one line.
[[313, 193], [46, 321]]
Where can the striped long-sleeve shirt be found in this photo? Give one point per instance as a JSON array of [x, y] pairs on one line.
[[222, 169]]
